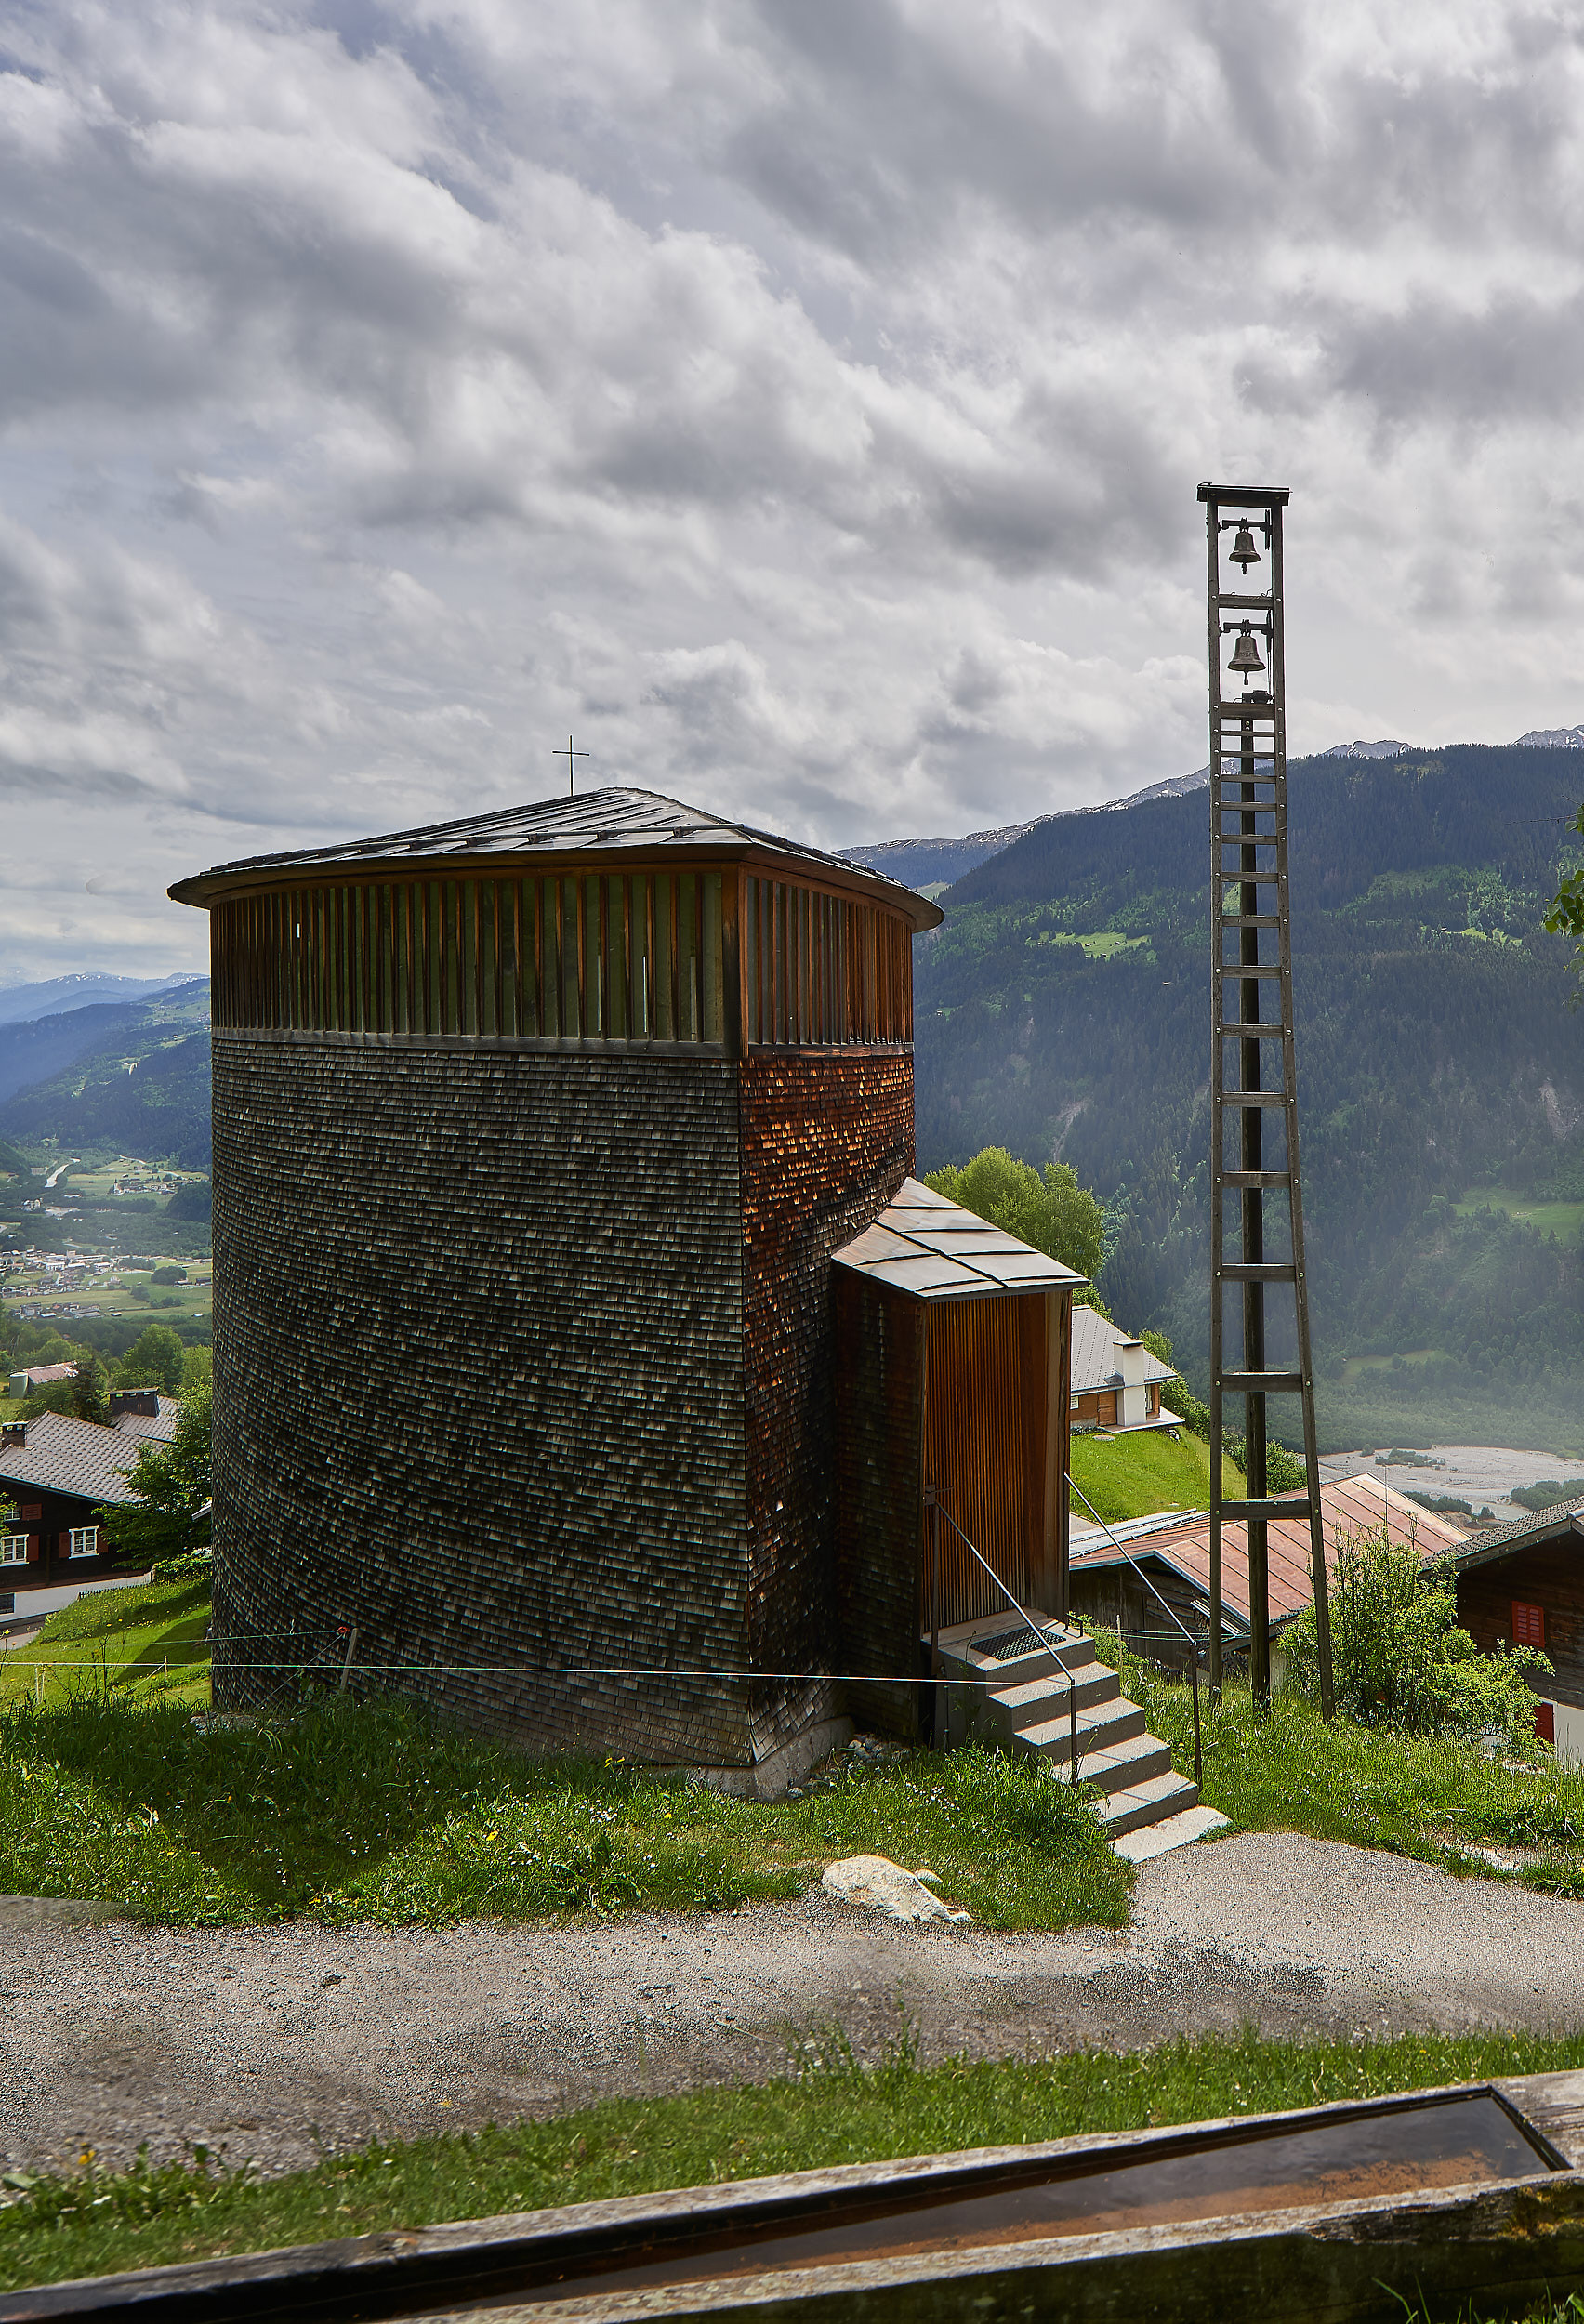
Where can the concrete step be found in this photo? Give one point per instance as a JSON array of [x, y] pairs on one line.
[[1074, 1653], [1173, 1831], [1021, 1706], [1148, 1800], [1120, 1766], [1106, 1726]]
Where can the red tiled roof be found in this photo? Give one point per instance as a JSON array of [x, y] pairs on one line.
[[1355, 1504]]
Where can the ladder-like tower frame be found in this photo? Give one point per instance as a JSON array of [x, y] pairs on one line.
[[1249, 828]]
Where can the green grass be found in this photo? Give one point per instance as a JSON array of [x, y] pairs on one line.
[[1364, 1368], [1564, 1220], [828, 2112], [370, 1812], [1135, 1474], [126, 1645], [1431, 1799]]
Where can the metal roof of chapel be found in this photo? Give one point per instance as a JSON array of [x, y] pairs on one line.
[[595, 824]]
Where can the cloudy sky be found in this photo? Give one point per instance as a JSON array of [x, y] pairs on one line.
[[803, 400]]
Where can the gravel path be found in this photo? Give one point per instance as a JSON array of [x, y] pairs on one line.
[[276, 2043]]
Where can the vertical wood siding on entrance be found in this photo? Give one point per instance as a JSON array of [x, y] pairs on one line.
[[987, 1393]]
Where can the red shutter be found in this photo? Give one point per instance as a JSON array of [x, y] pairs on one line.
[[31, 1511], [1545, 1722], [1528, 1625], [65, 1545], [32, 1548]]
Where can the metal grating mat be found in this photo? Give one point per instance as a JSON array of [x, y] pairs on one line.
[[1006, 1645]]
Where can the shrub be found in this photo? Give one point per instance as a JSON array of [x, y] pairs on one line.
[[1398, 1657], [153, 1360], [90, 1386], [1052, 1213]]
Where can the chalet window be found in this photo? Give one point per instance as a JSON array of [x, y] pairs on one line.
[[1528, 1625], [83, 1541], [13, 1548]]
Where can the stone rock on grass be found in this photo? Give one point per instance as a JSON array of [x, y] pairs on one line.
[[885, 1887]]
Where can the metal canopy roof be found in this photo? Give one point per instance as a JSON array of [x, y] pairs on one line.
[[596, 823], [934, 1250]]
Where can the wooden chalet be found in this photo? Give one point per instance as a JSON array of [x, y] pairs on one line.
[[1523, 1585], [1174, 1551], [56, 1475], [1116, 1380]]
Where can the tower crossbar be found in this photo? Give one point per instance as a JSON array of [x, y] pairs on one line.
[[1254, 1152]]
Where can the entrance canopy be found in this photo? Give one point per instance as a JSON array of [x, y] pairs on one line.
[[952, 1345], [933, 1249]]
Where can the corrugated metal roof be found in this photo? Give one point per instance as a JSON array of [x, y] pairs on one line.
[[935, 1249], [1095, 1360], [63, 1455], [1183, 1542], [595, 823], [1521, 1533]]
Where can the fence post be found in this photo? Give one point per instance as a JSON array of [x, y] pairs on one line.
[[351, 1648], [933, 1506], [1198, 1750]]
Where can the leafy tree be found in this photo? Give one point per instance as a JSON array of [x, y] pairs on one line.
[[172, 1484], [1564, 914], [154, 1360], [1054, 1213], [1399, 1658], [167, 1274], [90, 1386]]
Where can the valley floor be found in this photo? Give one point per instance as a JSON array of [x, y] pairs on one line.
[[277, 2043]]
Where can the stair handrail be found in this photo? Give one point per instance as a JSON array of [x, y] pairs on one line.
[[1032, 1628], [1168, 1611]]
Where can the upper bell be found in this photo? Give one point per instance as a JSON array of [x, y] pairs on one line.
[[1244, 552], [1245, 653]]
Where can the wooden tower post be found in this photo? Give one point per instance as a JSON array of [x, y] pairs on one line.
[[1253, 1076]]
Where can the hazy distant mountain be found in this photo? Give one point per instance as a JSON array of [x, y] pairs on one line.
[[1386, 751], [1062, 1011], [130, 1074], [1554, 738], [939, 863], [22, 1004]]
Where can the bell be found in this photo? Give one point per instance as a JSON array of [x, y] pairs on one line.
[[1244, 552], [1245, 653]]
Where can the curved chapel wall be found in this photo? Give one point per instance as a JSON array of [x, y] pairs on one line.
[[479, 1383], [525, 1190]]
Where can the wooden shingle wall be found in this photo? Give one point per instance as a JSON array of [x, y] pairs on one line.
[[479, 1384], [826, 1140]]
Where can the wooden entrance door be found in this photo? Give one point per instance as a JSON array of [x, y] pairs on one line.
[[994, 1449]]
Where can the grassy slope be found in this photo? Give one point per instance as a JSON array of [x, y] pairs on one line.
[[1414, 1796], [1134, 1475], [830, 2112], [126, 1645], [367, 1812]]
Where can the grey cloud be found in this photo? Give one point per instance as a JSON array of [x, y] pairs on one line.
[[802, 400]]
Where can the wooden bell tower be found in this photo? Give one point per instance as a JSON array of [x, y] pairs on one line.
[[1253, 1076]]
